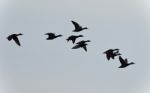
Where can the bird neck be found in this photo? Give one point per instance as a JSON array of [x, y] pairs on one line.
[[131, 63], [58, 35], [85, 28], [79, 36], [19, 34]]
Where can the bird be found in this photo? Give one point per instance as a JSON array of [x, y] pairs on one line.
[[111, 53], [73, 38], [78, 28], [83, 42], [124, 62], [52, 36], [15, 38], [81, 45]]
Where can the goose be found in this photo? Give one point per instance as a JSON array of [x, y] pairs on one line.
[[52, 36], [80, 46], [15, 38], [78, 28], [124, 62], [111, 53], [73, 38]]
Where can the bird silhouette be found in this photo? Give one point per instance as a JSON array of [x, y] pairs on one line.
[[83, 42], [81, 45], [73, 38], [78, 28], [124, 62], [15, 38], [52, 36], [111, 53]]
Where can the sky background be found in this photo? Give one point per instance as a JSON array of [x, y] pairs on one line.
[[41, 66]]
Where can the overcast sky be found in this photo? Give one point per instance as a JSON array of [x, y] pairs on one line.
[[41, 66]]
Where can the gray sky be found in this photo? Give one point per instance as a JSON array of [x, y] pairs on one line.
[[41, 66]]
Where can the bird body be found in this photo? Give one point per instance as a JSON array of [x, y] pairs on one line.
[[52, 36], [124, 62], [15, 38], [78, 28], [73, 38]]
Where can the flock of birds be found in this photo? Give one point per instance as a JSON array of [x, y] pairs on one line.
[[110, 53]]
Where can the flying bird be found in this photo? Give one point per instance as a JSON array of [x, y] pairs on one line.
[[52, 36], [81, 46], [78, 28], [73, 38], [15, 38], [124, 62], [111, 53]]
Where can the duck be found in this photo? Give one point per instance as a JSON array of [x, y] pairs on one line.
[[52, 36], [81, 45], [15, 38], [124, 62], [73, 38], [111, 53], [78, 28]]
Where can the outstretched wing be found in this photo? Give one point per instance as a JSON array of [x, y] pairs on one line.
[[16, 40], [76, 47], [76, 25], [126, 60], [85, 48], [50, 34], [108, 57], [73, 41], [122, 61]]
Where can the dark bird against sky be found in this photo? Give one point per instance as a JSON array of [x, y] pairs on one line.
[[78, 28], [124, 62], [15, 38], [52, 36]]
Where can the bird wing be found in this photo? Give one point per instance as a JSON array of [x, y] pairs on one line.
[[16, 40], [122, 61], [76, 47], [50, 34], [73, 41], [76, 24], [108, 57], [85, 48], [126, 60], [112, 56]]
